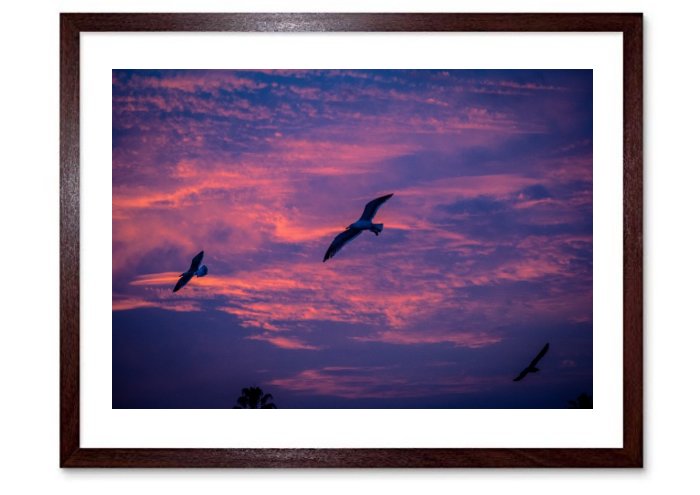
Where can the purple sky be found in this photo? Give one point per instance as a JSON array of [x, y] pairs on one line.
[[486, 252]]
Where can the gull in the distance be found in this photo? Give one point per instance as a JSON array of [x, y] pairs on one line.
[[532, 367], [355, 229], [195, 270]]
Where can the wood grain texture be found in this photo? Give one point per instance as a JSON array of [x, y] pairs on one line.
[[71, 455], [70, 239], [321, 22], [349, 458], [633, 211]]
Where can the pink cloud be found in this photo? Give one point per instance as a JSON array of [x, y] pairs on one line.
[[375, 383], [337, 158], [193, 81], [129, 303], [473, 340], [509, 88], [120, 303], [284, 342], [444, 191]]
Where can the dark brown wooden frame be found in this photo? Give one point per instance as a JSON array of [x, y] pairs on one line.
[[72, 455]]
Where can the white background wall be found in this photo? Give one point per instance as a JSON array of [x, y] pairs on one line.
[[29, 252]]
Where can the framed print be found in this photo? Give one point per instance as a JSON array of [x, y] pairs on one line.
[[415, 239]]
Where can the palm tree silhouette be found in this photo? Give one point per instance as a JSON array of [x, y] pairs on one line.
[[583, 401], [253, 398]]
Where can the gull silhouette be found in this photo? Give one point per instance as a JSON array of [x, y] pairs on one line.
[[531, 368], [195, 269], [355, 229]]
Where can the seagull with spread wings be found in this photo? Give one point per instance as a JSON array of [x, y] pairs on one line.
[[195, 270], [532, 367], [355, 229]]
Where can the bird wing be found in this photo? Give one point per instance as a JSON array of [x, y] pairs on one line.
[[341, 240], [539, 356], [184, 278], [520, 376], [372, 207], [196, 261]]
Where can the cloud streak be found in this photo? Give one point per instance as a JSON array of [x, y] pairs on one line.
[[373, 383]]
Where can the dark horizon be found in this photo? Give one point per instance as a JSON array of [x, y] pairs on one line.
[[486, 252]]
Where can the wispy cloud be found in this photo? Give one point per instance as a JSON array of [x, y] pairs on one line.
[[424, 336], [374, 383], [284, 342]]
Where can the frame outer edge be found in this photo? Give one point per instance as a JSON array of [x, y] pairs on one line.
[[71, 455], [69, 239], [633, 240]]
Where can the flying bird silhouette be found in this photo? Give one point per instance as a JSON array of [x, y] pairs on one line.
[[355, 229], [531, 368], [195, 269]]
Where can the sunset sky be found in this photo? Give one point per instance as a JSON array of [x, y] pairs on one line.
[[485, 256]]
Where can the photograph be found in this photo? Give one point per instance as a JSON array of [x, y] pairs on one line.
[[352, 239]]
